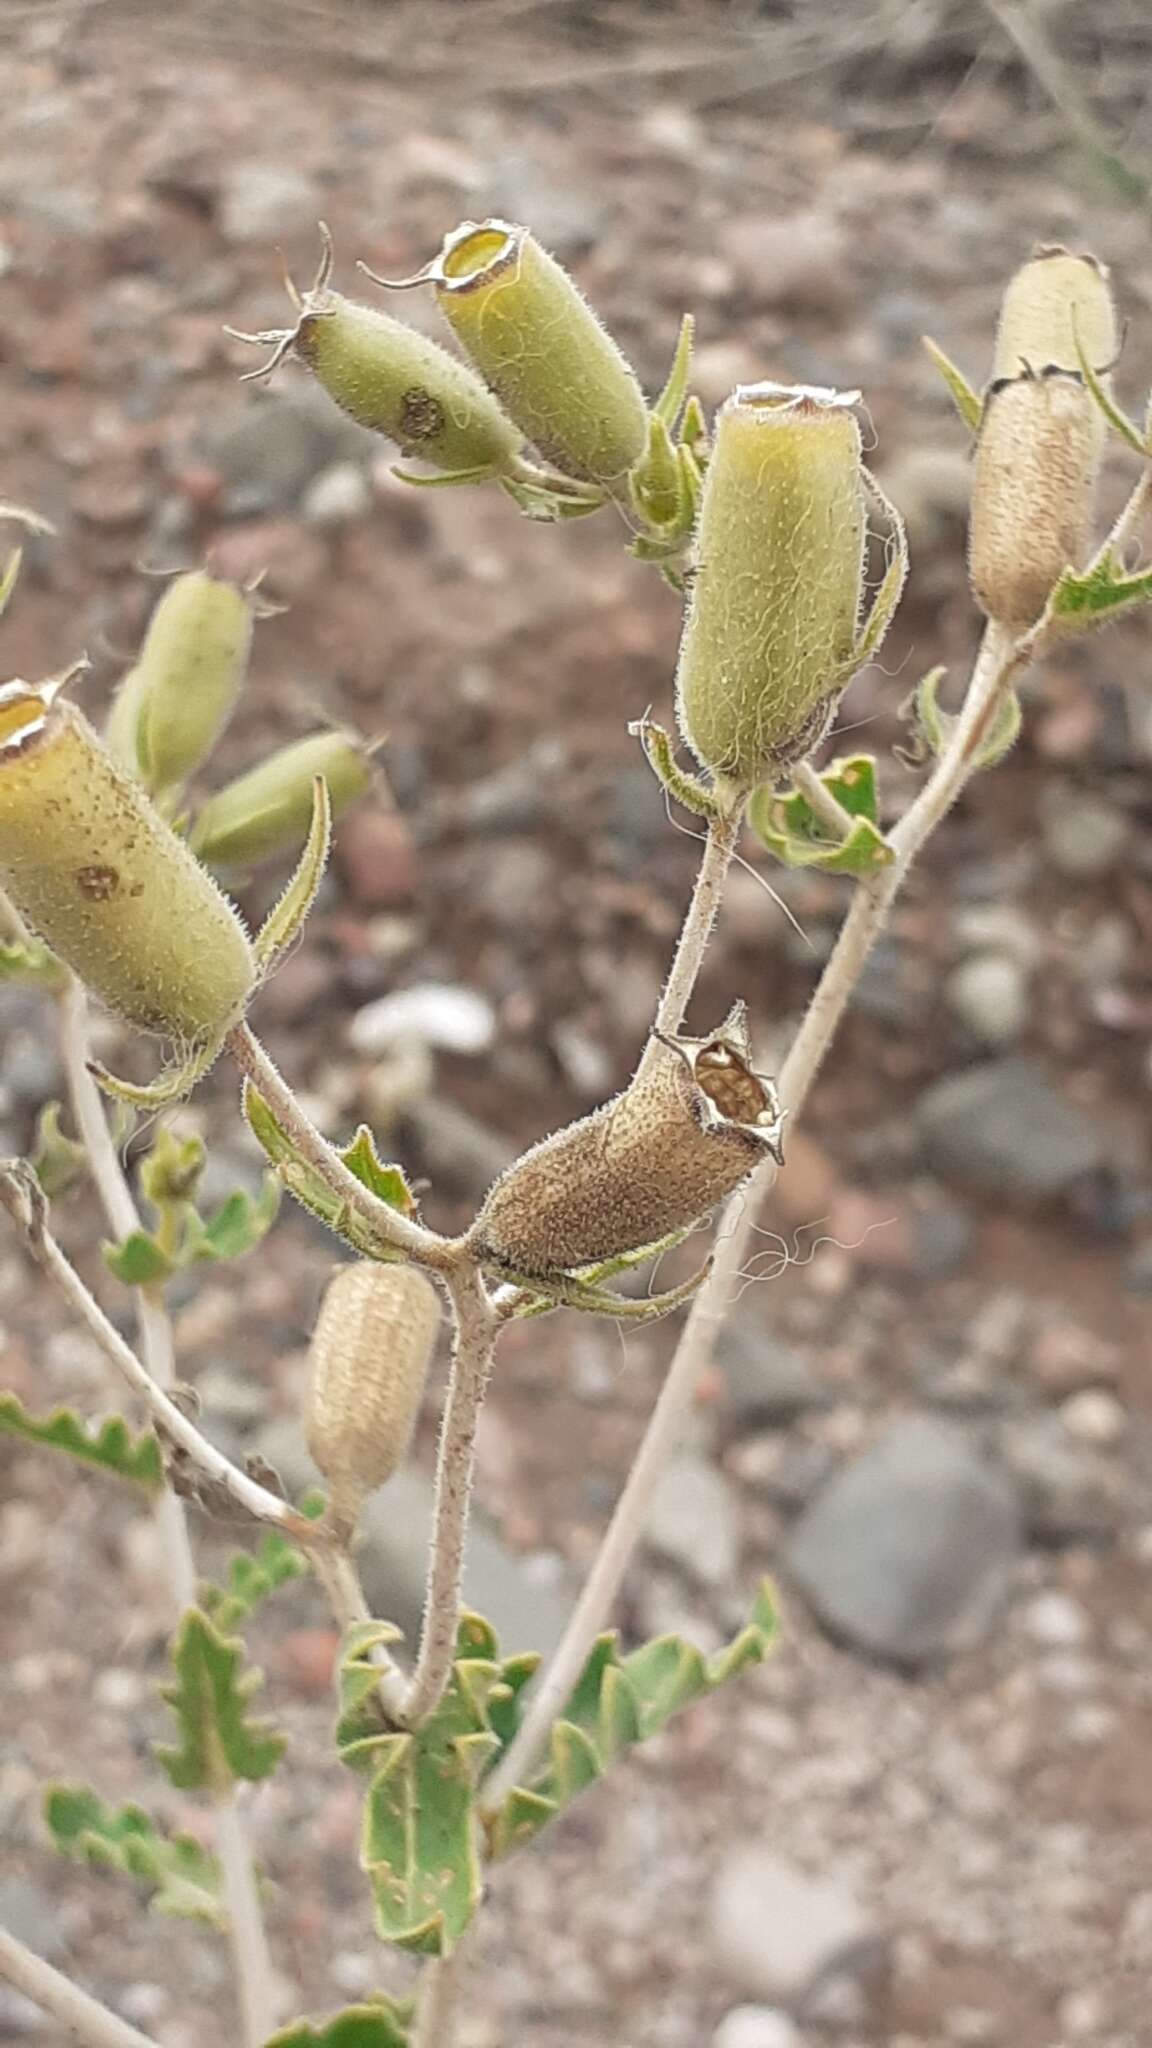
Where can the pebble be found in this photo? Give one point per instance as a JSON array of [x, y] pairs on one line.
[[908, 1549], [756, 2026], [988, 994], [1083, 835], [801, 264], [1005, 1126], [338, 496], [1055, 1620], [441, 1014], [260, 201], [376, 857], [1071, 1492], [693, 1520], [766, 1380], [778, 1930], [1094, 1416]]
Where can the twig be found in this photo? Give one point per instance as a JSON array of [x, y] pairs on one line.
[[84, 2017], [20, 1195], [998, 661], [341, 1581], [424, 1247], [255, 1983], [438, 1996], [719, 846], [820, 800], [476, 1329]]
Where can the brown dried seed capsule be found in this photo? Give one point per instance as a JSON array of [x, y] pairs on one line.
[[370, 1353], [691, 1125], [1033, 492]]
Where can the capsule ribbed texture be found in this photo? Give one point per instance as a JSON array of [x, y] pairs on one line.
[[267, 812], [778, 583], [96, 872], [369, 1360], [537, 343], [655, 1160]]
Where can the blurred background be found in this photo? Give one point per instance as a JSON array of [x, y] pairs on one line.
[[928, 1820]]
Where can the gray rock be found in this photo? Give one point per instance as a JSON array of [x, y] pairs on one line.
[[989, 995], [767, 1381], [271, 448], [338, 496], [260, 201], [778, 1931], [1071, 1491], [523, 1601], [906, 1552], [27, 1912], [1006, 1127], [1083, 835], [694, 1521], [756, 2026]]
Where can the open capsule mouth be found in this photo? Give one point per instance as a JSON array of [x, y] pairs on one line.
[[477, 252], [770, 398], [740, 1095], [24, 709]]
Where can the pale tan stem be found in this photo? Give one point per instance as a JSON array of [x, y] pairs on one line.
[[998, 661], [247, 1934], [338, 1575], [820, 800], [84, 2017], [438, 1996], [476, 1330], [719, 846]]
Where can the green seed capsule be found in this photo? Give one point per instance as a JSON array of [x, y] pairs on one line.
[[1054, 300], [779, 580], [96, 872], [1034, 483], [173, 705], [397, 382], [369, 1357], [690, 1127], [536, 341], [267, 812]]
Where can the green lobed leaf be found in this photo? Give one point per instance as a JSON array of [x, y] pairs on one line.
[[251, 1577], [110, 1445], [786, 824], [421, 1844], [238, 1224], [218, 1742], [185, 1880], [382, 2025], [386, 1182], [56, 1160], [139, 1260], [285, 920], [617, 1703], [1099, 593], [309, 1187]]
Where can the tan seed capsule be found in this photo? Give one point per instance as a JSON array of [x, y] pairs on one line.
[[1054, 300], [96, 872], [370, 1354], [1034, 481], [691, 1125], [537, 343]]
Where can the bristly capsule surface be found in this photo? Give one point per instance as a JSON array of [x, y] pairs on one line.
[[369, 1360], [266, 813], [693, 1123]]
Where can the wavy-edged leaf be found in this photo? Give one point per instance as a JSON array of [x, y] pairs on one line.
[[110, 1445], [310, 1189], [218, 1741], [251, 1577], [237, 1225], [285, 920], [788, 826], [375, 2025], [386, 1182], [1099, 593], [421, 1845], [617, 1703], [139, 1260], [184, 1879]]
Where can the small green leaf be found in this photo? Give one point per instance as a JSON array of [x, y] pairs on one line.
[[285, 920], [386, 1182], [380, 2025], [1098, 594], [617, 1703], [1108, 406], [238, 1224], [28, 961], [968, 403], [184, 1878], [670, 404], [421, 1844], [309, 1187], [694, 431], [933, 728], [56, 1160], [109, 1445], [140, 1261], [171, 1171], [686, 789], [218, 1743], [250, 1579], [789, 828]]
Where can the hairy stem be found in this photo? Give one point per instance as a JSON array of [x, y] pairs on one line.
[[821, 801], [438, 1997], [247, 1935], [397, 1232], [997, 663], [719, 846], [476, 1329], [338, 1575], [84, 2018]]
